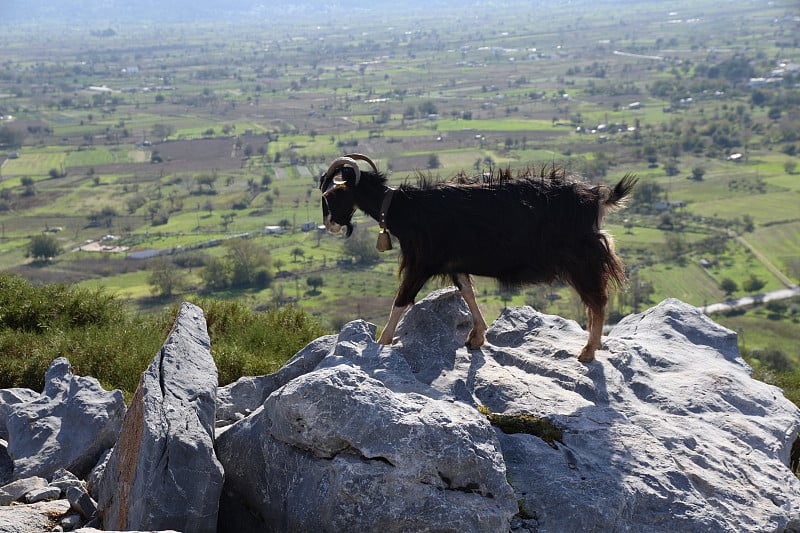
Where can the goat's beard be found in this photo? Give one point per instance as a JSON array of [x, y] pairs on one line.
[[348, 229]]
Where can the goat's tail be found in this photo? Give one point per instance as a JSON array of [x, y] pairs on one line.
[[618, 196]]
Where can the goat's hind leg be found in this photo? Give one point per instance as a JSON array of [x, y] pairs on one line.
[[477, 335]]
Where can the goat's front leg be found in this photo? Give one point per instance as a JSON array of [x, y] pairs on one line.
[[388, 331], [477, 335], [595, 319]]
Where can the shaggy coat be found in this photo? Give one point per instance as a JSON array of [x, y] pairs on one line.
[[520, 229]]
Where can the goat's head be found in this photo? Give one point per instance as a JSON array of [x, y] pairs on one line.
[[338, 185]]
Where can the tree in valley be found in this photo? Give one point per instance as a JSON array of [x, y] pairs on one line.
[[698, 173], [315, 282], [165, 278], [162, 131], [245, 264], [43, 248], [645, 194], [728, 286], [248, 262], [205, 182]]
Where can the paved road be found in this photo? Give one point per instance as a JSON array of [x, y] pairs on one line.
[[748, 301]]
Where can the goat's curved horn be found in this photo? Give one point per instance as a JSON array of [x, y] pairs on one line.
[[343, 162], [362, 157]]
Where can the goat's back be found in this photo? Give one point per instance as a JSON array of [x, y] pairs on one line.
[[518, 231]]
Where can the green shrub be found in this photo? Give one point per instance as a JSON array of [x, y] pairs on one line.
[[102, 338], [246, 342], [30, 308]]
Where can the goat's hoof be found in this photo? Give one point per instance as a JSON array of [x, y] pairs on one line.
[[475, 341], [586, 355], [385, 341]]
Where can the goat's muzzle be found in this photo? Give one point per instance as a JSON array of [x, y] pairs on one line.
[[333, 227], [330, 224]]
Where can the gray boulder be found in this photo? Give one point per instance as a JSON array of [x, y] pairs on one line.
[[245, 395], [64, 479], [358, 444], [34, 518], [664, 431], [9, 397], [80, 502], [69, 425], [15, 490], [163, 473], [43, 494]]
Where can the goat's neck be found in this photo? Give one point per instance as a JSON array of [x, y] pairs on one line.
[[370, 199]]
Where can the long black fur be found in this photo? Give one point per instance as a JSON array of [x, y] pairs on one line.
[[519, 228]]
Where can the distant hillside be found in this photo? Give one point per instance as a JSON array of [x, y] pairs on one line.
[[189, 10], [80, 11]]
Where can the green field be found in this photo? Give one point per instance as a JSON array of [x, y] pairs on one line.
[[226, 127]]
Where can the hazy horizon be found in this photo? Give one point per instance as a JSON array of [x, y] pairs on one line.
[[121, 11]]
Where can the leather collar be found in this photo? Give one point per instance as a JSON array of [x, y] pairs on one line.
[[387, 199]]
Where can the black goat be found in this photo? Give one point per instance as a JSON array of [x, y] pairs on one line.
[[526, 228]]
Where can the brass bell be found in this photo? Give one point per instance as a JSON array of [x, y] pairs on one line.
[[384, 241]]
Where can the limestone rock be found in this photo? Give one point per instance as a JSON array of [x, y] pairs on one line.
[[245, 395], [358, 444], [64, 479], [163, 473], [71, 521], [15, 490], [80, 502], [665, 431], [43, 494], [9, 397], [34, 518], [96, 475], [69, 425]]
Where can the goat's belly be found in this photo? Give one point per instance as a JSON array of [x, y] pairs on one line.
[[512, 274]]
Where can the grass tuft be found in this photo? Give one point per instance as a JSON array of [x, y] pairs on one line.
[[521, 423]]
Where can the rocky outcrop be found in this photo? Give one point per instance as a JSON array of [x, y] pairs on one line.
[[163, 473], [9, 397], [69, 425], [245, 395], [359, 445], [665, 431]]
